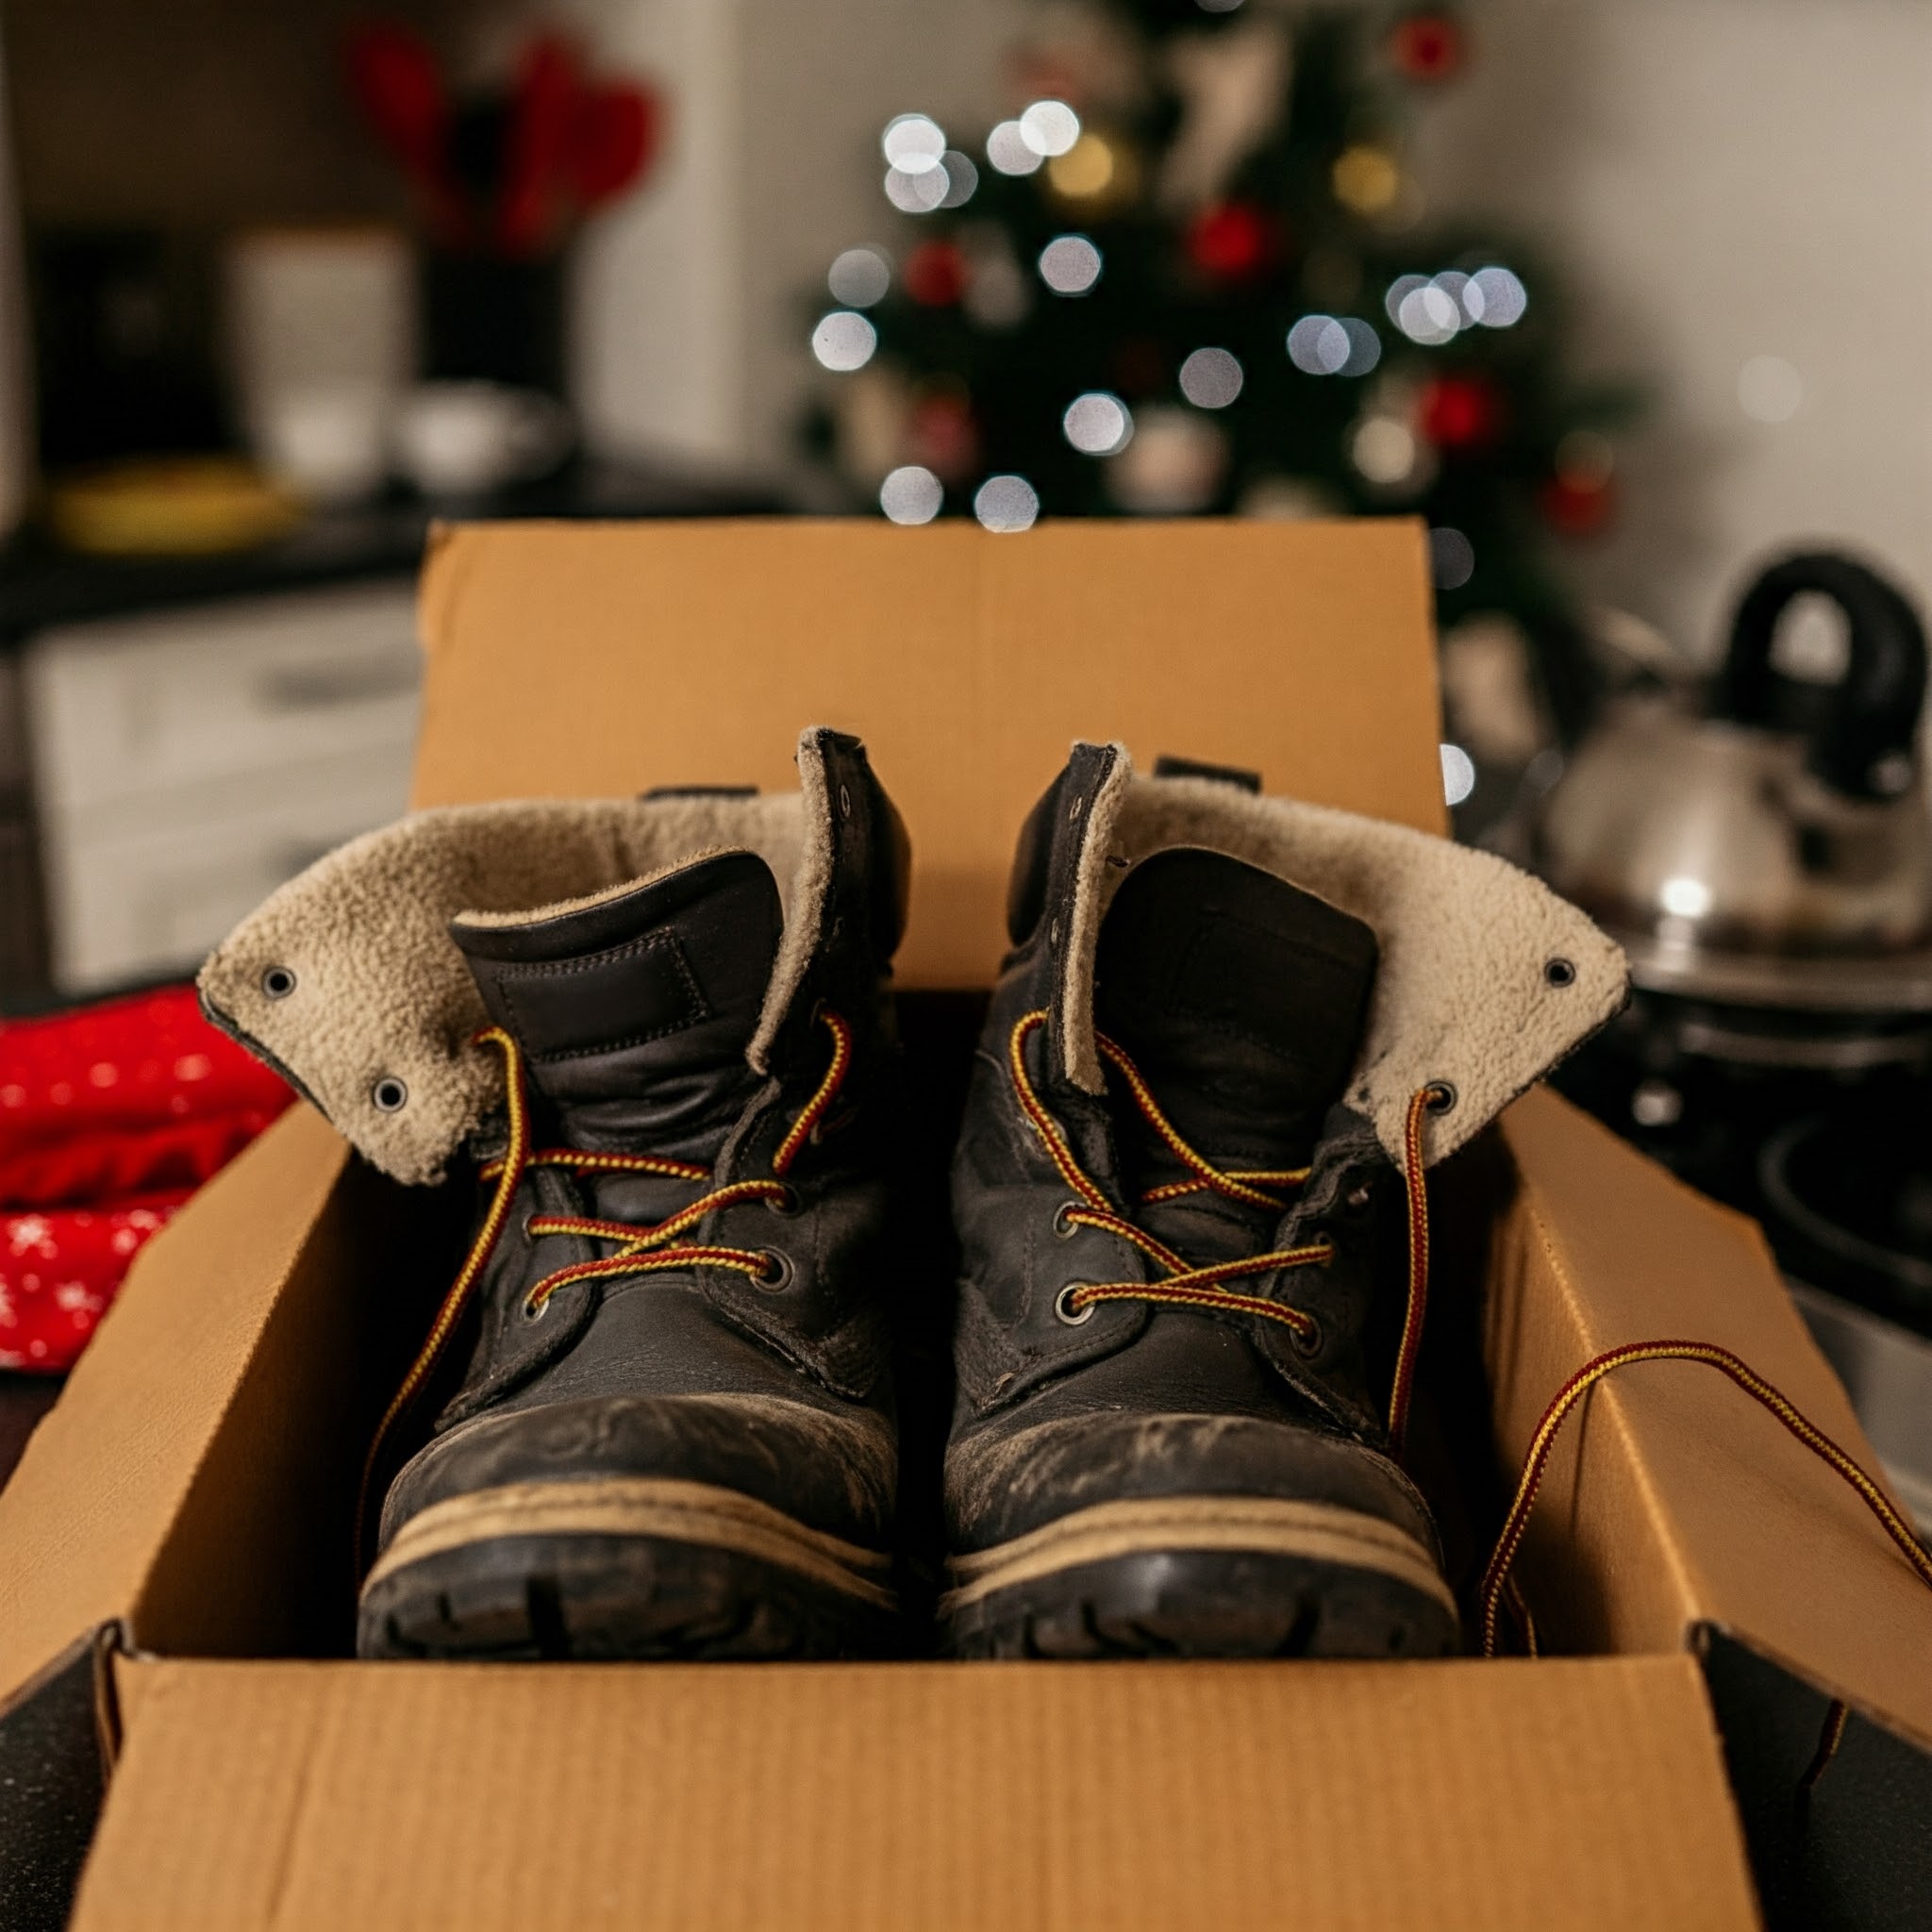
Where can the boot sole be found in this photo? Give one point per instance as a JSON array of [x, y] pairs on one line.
[[1202, 1576], [636, 1567]]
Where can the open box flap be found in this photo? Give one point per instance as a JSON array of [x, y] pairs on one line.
[[1635, 1544], [1013, 1797], [107, 1484], [694, 653]]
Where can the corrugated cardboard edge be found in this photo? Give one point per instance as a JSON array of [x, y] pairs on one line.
[[1637, 1546], [438, 586], [1026, 1798], [105, 1476], [968, 662]]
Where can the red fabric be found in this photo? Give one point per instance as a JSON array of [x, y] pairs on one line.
[[59, 1271], [109, 1118], [113, 1162]]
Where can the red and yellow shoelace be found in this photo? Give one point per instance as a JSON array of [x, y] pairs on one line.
[[1495, 1578], [639, 1250], [1497, 1587], [1206, 1288], [1186, 1286]]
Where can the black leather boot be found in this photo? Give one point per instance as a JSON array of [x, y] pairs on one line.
[[673, 1433], [1188, 1195]]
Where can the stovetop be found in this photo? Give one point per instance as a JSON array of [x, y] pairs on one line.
[[1821, 1129]]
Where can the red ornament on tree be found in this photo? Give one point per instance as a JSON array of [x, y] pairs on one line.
[[943, 435], [1461, 412], [1428, 46], [935, 275], [1233, 240], [1577, 506]]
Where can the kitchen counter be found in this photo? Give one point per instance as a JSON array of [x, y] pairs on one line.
[[41, 584]]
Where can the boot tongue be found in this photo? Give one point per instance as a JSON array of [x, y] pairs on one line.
[[634, 1012], [1240, 998]]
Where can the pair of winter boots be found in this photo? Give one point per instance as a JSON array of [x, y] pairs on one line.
[[1187, 1204]]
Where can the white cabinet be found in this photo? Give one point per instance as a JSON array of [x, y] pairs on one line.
[[186, 762]]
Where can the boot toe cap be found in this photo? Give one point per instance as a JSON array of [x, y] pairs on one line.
[[833, 1471], [1002, 1484]]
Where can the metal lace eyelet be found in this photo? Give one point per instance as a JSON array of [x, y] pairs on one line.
[[777, 1273], [1064, 1228], [787, 1207], [1559, 972], [533, 1310], [388, 1094], [1063, 1305], [845, 802], [1357, 1199], [1442, 1096], [1307, 1341], [278, 982]]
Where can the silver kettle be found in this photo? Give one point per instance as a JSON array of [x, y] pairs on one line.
[[1764, 841]]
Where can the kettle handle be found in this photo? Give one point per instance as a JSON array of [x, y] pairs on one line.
[[1864, 745]]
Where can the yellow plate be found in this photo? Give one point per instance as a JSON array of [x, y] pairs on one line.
[[170, 506]]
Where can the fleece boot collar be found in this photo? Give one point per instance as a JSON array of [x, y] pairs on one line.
[[1487, 978], [347, 980]]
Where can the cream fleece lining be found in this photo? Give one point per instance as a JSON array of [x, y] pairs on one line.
[[380, 991], [1463, 995]]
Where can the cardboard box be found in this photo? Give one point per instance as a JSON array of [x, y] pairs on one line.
[[176, 1590]]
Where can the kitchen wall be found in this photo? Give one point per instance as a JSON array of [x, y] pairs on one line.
[[1740, 187]]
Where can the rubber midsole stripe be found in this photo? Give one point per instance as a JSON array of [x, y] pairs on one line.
[[649, 1507], [1262, 1526]]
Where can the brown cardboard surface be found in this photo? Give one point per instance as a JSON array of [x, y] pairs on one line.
[[947, 1796], [1674, 1499], [579, 660], [108, 1478]]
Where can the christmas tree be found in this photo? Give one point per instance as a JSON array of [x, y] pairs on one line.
[[1189, 276]]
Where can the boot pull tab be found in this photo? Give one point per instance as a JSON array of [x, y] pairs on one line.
[[872, 854], [1066, 818], [1046, 861], [864, 911]]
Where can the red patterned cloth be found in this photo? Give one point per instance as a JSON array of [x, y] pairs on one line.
[[109, 1118]]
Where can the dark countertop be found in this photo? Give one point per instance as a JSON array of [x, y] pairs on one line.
[[41, 584]]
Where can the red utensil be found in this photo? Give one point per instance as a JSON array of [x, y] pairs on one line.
[[395, 80], [545, 104], [613, 142]]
